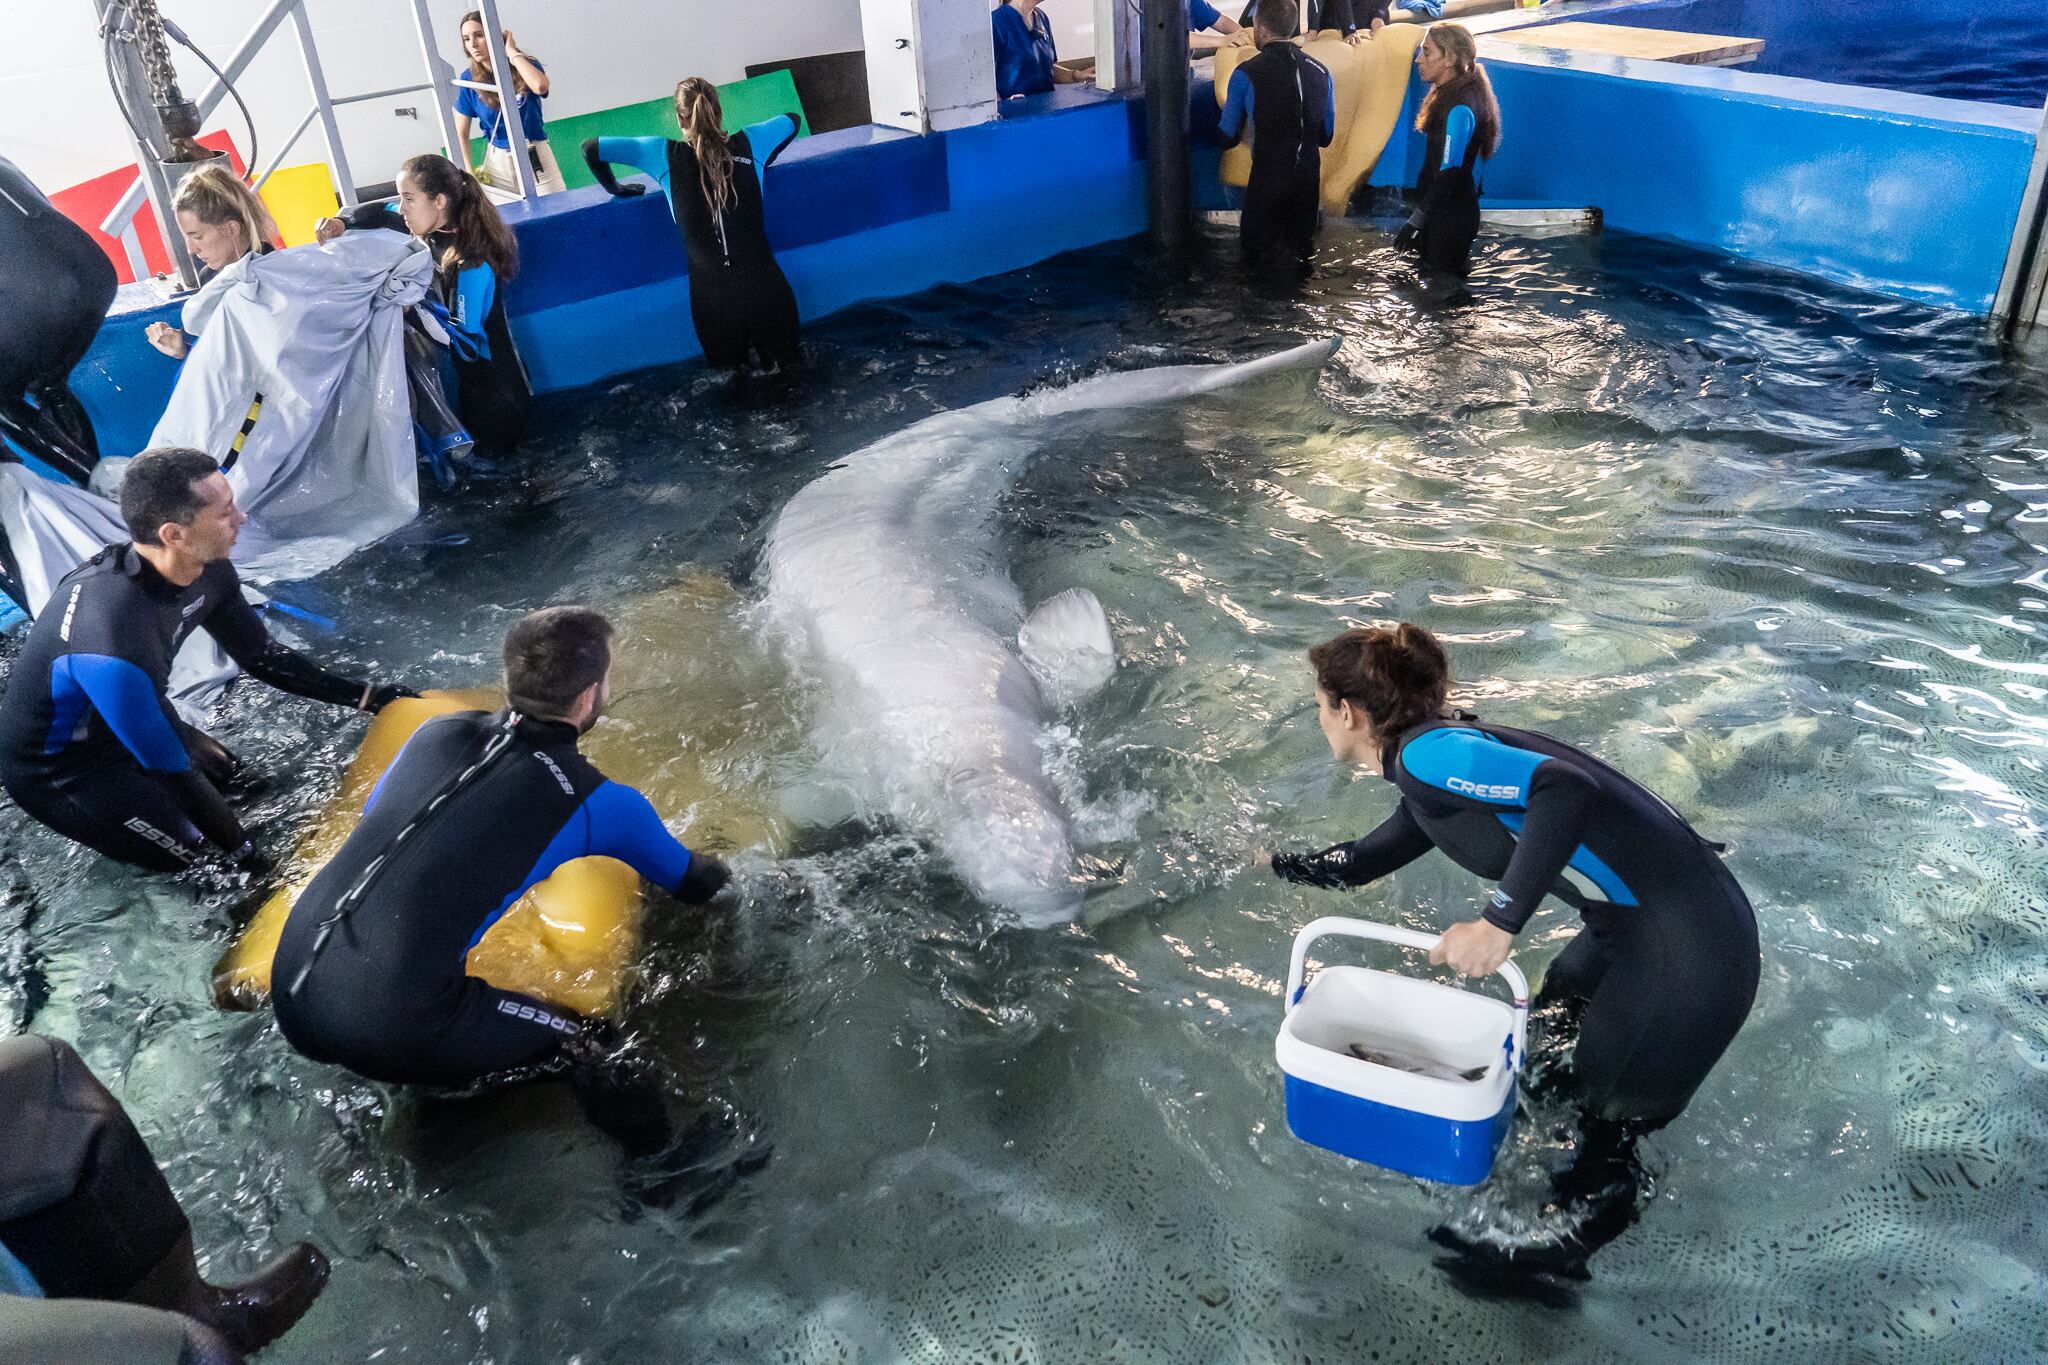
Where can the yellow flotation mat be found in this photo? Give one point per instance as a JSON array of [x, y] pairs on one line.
[[1371, 81], [691, 705]]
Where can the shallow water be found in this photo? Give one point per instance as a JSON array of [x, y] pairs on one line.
[[1772, 548]]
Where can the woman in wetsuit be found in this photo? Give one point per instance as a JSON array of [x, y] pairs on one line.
[[1461, 121], [475, 257], [54, 292], [222, 221], [740, 301], [1660, 979]]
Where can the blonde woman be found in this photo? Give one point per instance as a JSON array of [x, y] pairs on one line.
[[222, 221], [530, 86], [740, 300]]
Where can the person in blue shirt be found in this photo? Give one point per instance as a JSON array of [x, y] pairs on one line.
[[1026, 59], [740, 301], [477, 809], [1288, 101], [1208, 27], [1460, 121], [1658, 982], [475, 256], [530, 86]]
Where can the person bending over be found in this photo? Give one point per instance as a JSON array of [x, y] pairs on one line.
[[222, 221], [1658, 982], [1290, 102], [530, 86], [1209, 28], [87, 1214], [1461, 121], [740, 301], [477, 809], [475, 257], [89, 742]]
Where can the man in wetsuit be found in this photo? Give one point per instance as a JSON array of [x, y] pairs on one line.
[[89, 742], [1657, 984], [477, 808], [1290, 102]]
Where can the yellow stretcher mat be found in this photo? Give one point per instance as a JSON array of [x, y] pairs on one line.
[[1371, 81], [571, 941]]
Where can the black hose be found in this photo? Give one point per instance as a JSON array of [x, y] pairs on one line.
[[177, 35]]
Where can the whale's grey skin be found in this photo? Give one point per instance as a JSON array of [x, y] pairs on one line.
[[886, 574]]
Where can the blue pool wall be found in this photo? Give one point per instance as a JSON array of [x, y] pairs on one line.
[[863, 213]]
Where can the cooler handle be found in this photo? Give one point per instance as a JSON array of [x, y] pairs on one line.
[[1345, 926]]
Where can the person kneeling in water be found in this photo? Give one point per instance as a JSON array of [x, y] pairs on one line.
[[87, 1214], [477, 809], [1659, 981], [89, 742]]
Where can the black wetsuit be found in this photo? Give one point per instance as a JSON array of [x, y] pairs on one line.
[[1667, 964], [55, 288], [370, 972], [740, 301], [1446, 218], [1290, 101], [89, 742]]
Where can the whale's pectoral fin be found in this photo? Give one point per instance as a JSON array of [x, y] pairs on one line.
[[1067, 645]]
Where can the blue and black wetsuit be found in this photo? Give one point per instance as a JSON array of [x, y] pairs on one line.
[[468, 300], [370, 972], [1446, 216], [740, 301], [1667, 964], [54, 293], [1290, 102], [89, 742]]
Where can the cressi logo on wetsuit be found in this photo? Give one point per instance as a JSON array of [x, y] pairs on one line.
[[454, 834], [89, 742]]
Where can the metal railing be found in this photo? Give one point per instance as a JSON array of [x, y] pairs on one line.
[[441, 80], [2023, 292]]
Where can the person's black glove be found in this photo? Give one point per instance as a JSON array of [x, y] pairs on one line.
[[705, 878], [381, 695], [1410, 232], [631, 189], [601, 171]]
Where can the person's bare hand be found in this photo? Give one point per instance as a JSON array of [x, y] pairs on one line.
[[1357, 36], [327, 229], [167, 339], [1474, 948], [1262, 857], [512, 45]]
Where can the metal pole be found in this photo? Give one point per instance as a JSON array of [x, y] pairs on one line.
[[323, 109], [2020, 292], [440, 75], [1166, 122], [508, 105]]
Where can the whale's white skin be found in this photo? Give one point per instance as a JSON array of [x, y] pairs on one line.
[[887, 576]]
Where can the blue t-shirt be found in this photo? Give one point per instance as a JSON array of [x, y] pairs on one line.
[[1024, 53], [470, 104], [1202, 15]]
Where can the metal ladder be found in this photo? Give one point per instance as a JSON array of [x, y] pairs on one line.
[[441, 80], [2023, 293]]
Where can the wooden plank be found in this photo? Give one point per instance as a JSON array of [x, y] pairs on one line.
[[1647, 44]]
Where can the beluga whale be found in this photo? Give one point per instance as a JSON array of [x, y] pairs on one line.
[[934, 685]]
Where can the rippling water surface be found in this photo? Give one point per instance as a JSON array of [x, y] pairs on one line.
[[1773, 549]]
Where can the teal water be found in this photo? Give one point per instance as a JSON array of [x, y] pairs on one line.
[[1774, 549]]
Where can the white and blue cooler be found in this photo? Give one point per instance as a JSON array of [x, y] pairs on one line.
[[1434, 1126]]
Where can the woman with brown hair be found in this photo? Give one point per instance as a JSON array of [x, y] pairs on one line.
[[222, 221], [529, 87], [740, 301], [1461, 120], [475, 256], [1658, 982]]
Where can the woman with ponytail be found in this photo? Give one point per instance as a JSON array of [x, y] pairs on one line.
[[222, 221], [1657, 983], [529, 87], [1461, 121], [475, 256], [740, 301]]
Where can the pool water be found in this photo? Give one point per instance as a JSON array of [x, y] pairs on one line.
[[1775, 549], [1989, 50]]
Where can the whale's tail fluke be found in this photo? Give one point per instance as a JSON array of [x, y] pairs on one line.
[[1067, 645]]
